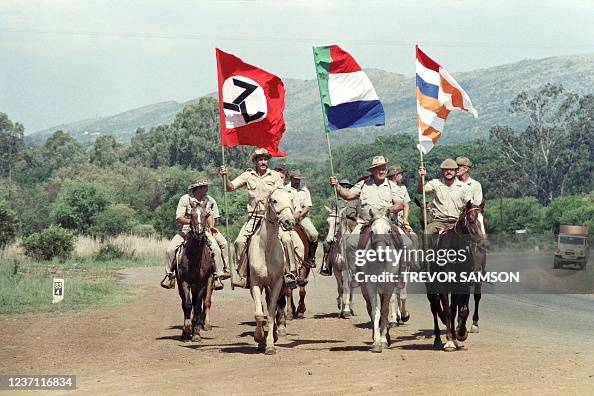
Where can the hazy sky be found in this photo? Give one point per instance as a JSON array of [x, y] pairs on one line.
[[64, 60]]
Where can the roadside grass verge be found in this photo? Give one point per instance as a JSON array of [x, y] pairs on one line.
[[26, 286]]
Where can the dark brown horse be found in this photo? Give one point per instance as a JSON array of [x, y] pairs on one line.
[[451, 298], [194, 280]]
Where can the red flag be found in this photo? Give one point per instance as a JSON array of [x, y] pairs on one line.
[[251, 105]]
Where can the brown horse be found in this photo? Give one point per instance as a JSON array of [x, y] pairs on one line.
[[194, 280], [466, 231]]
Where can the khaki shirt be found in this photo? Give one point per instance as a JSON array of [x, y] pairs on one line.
[[448, 202], [404, 198], [476, 191], [303, 198], [294, 198], [184, 208], [374, 197], [259, 187]]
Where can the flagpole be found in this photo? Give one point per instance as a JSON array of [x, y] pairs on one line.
[[424, 201], [229, 258], [326, 129]]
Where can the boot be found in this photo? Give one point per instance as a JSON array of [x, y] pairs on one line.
[[311, 260], [290, 280], [218, 285], [168, 281], [240, 282]]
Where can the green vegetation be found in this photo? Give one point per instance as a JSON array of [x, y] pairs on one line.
[[27, 286], [54, 241]]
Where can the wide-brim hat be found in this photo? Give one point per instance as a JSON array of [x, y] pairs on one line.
[[295, 174], [449, 164], [378, 160], [260, 152], [394, 170], [464, 161], [199, 182]]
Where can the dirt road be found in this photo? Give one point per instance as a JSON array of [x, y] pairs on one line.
[[134, 349]]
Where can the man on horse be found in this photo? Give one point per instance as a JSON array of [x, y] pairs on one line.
[[463, 174], [304, 205], [450, 195], [197, 196], [292, 278], [376, 194], [260, 182]]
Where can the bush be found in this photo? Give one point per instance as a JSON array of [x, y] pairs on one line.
[[77, 204], [115, 220], [143, 230], [52, 242], [8, 226], [109, 251]]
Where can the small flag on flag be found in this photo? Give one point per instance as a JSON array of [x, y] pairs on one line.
[[437, 94], [348, 97], [251, 105]]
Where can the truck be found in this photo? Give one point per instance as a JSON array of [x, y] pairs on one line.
[[573, 246]]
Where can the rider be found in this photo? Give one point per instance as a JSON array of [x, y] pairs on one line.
[[463, 174], [449, 196], [287, 237], [304, 199], [349, 214], [260, 182], [376, 194], [197, 195]]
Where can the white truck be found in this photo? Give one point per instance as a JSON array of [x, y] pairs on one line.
[[572, 246]]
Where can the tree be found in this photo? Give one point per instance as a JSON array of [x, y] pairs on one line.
[[76, 205], [61, 149], [8, 225], [11, 144], [49, 243], [105, 152], [557, 137], [115, 220]]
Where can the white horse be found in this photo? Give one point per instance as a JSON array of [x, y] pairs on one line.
[[266, 264], [378, 294], [337, 257]]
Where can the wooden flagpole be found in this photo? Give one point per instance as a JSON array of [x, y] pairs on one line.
[[229, 258]]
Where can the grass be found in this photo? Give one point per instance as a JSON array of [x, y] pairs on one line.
[[26, 286]]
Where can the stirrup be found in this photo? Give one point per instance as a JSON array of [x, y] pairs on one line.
[[218, 285], [290, 280], [326, 271], [168, 281]]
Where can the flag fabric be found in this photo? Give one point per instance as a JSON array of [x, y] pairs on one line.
[[348, 97], [251, 105], [437, 94]]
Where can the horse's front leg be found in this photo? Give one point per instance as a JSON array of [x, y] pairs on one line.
[[272, 307], [259, 313], [462, 307], [206, 326], [392, 311], [449, 323], [186, 304], [281, 312], [477, 299], [375, 304], [435, 308], [384, 328], [198, 293], [340, 291]]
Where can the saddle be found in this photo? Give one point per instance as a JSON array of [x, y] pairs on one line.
[[243, 264]]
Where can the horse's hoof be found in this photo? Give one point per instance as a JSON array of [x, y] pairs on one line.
[[275, 333], [462, 334], [261, 346], [437, 344], [474, 329], [282, 332], [299, 315], [270, 351], [207, 327], [406, 318], [352, 312], [376, 348], [384, 345], [392, 325], [258, 335], [459, 345], [196, 338], [345, 315], [449, 346]]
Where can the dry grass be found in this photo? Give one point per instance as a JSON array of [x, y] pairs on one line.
[[134, 247]]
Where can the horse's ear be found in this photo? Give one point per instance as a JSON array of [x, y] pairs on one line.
[[468, 205]]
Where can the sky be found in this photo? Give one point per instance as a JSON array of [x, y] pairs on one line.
[[65, 60]]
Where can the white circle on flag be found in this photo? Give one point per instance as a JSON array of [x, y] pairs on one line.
[[244, 101]]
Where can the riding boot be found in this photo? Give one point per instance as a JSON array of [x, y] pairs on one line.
[[218, 285], [290, 280], [299, 280], [311, 259]]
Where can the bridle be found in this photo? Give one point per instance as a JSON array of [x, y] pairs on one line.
[[270, 208], [476, 240]]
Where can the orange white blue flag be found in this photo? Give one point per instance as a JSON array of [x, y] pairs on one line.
[[437, 94]]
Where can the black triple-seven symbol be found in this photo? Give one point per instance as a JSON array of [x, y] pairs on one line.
[[238, 104]]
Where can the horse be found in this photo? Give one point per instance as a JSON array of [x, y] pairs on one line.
[[338, 229], [377, 294], [266, 266], [466, 230], [194, 276]]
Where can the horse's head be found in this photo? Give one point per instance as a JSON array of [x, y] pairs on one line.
[[333, 220], [471, 222], [380, 223], [280, 208], [198, 217]]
